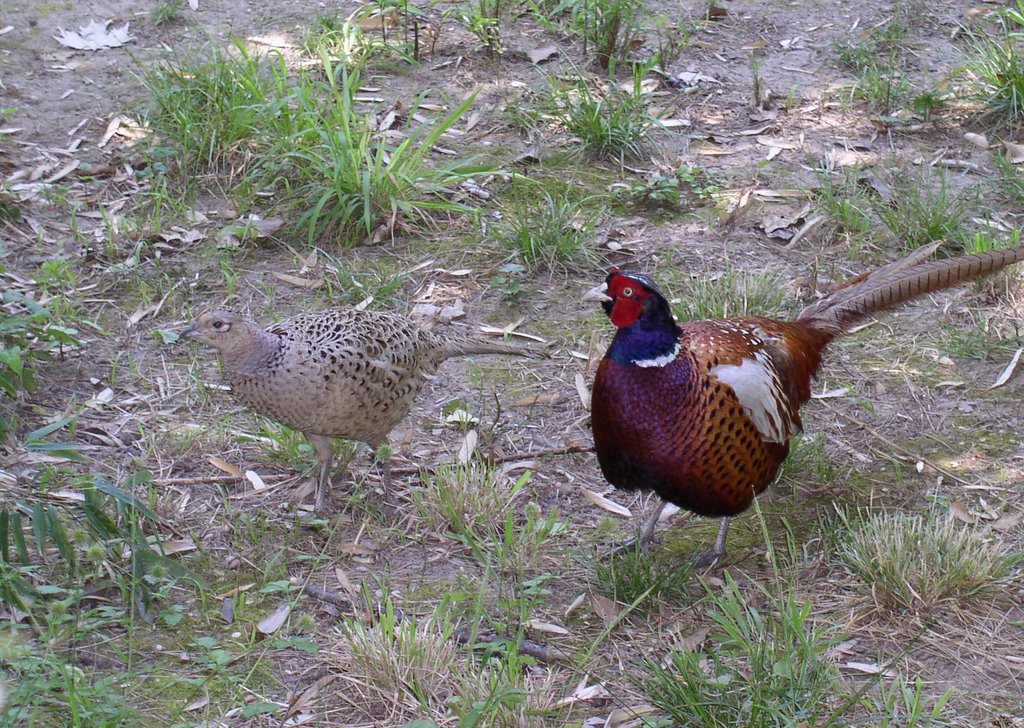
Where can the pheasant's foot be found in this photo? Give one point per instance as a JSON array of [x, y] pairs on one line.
[[716, 555], [633, 543]]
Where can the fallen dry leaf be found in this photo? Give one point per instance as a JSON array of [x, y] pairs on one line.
[[225, 466], [1014, 152], [960, 512], [273, 621], [1007, 372], [94, 36], [609, 505], [297, 281], [539, 55], [174, 546], [1008, 522], [978, 140], [468, 447], [582, 390], [548, 627], [254, 478], [605, 608]]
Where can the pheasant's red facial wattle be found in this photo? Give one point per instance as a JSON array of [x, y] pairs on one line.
[[628, 300]]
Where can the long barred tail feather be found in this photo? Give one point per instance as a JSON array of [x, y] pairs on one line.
[[899, 282]]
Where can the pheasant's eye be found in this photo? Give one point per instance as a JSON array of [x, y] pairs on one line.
[[627, 292], [221, 326]]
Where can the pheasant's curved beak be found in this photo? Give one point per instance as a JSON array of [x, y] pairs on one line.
[[188, 333], [598, 293]]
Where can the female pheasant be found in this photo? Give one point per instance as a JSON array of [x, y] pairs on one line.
[[333, 373], [702, 412]]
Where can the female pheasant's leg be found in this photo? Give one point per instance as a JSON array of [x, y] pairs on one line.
[[324, 449]]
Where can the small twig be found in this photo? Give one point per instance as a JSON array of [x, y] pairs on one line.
[[889, 443], [567, 450], [536, 650], [331, 597]]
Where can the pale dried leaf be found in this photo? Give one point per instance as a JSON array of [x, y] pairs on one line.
[[870, 668], [583, 391], [605, 608], [609, 505], [548, 627], [978, 140], [297, 281], [257, 482], [622, 715], [273, 621], [539, 55], [693, 641], [1014, 152], [468, 447], [1008, 521], [1004, 376], [173, 546], [343, 580], [198, 704]]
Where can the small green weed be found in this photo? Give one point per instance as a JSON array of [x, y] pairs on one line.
[[166, 12], [467, 499], [687, 186], [216, 113], [609, 29], [336, 38], [483, 19], [28, 336]]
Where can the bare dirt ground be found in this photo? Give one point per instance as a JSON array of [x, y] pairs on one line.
[[905, 419]]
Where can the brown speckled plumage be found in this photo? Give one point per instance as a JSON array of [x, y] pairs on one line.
[[333, 373]]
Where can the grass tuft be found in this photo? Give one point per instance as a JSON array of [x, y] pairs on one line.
[[917, 563], [731, 294], [549, 228], [636, 574]]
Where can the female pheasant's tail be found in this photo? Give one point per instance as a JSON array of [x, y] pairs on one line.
[[469, 346], [899, 282]]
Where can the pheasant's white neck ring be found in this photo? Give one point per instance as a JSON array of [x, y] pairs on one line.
[[659, 361]]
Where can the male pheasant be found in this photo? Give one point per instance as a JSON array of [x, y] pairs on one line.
[[333, 373], [702, 412]]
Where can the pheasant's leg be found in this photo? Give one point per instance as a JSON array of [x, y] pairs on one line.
[[646, 535], [324, 449], [717, 553], [382, 454]]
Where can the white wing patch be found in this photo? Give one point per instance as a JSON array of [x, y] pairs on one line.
[[757, 387]]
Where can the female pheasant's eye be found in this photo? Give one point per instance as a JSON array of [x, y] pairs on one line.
[[221, 326], [627, 291]]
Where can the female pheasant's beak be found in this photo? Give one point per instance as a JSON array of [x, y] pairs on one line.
[[598, 293], [188, 333]]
